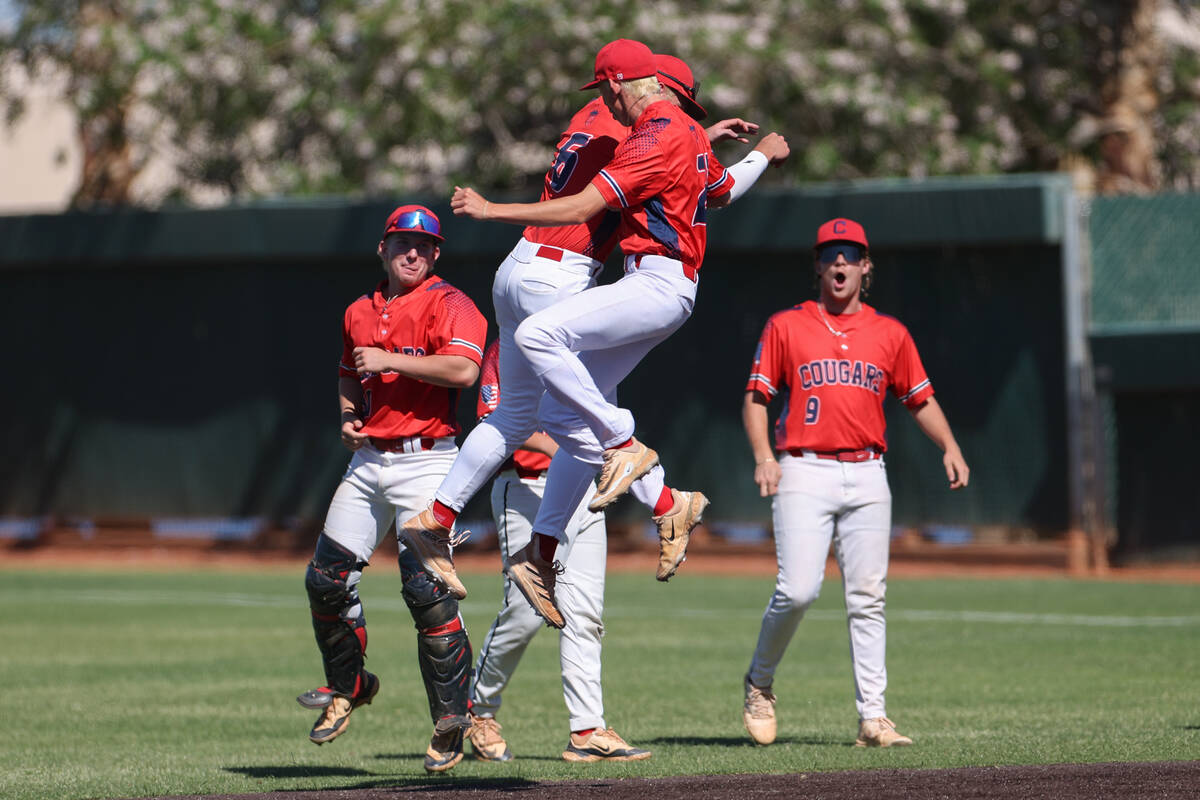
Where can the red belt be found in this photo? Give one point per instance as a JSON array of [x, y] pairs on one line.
[[528, 474], [552, 253], [868, 454], [397, 445]]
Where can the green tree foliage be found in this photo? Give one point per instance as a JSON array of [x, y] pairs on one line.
[[376, 97]]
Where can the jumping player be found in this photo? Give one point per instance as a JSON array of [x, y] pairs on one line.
[[408, 347], [833, 359], [661, 180], [516, 494], [547, 265]]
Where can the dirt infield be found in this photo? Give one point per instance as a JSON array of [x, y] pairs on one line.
[[1162, 781], [1045, 560]]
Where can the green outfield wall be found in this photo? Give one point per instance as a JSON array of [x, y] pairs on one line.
[[182, 363]]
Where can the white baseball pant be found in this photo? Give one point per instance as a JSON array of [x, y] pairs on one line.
[[580, 594], [525, 284], [820, 500], [583, 347], [379, 488]]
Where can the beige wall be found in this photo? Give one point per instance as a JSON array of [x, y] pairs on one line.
[[39, 156]]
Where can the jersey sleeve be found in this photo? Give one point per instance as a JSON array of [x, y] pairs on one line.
[[463, 328], [765, 373], [720, 180], [637, 171], [489, 381], [910, 384]]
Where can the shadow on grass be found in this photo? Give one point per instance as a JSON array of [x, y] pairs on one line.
[[742, 741], [292, 771], [420, 756], [430, 783]]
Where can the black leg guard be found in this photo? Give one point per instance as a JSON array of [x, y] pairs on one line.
[[443, 649], [337, 617]]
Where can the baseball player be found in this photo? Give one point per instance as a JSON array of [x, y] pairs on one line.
[[516, 494], [661, 180], [549, 264], [833, 360], [408, 347]]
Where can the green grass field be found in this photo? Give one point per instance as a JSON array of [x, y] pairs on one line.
[[124, 684]]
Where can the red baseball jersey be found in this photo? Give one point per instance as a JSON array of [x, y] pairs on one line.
[[661, 177], [489, 401], [833, 371], [585, 146], [433, 319]]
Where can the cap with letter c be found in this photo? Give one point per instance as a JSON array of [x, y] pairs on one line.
[[841, 230], [414, 219], [622, 60]]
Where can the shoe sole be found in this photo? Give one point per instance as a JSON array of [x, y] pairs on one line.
[[534, 601], [505, 756], [591, 758], [622, 484], [864, 743], [444, 766], [411, 539], [699, 499]]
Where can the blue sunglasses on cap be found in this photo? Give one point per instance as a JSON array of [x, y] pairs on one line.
[[851, 252], [418, 221]]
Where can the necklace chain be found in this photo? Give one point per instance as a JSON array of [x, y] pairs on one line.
[[833, 330]]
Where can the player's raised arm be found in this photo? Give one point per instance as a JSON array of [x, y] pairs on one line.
[[567, 210]]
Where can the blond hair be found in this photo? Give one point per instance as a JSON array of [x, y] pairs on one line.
[[641, 87]]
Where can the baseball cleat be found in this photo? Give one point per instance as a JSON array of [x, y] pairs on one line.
[[758, 713], [486, 742], [622, 466], [431, 541], [336, 717], [446, 745], [675, 530], [536, 579], [880, 732], [602, 745]]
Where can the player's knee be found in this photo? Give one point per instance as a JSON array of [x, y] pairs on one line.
[[514, 423], [533, 336], [794, 599], [330, 579], [865, 600]]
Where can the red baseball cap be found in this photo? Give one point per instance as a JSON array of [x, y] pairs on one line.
[[623, 60], [841, 230], [675, 74], [414, 219]]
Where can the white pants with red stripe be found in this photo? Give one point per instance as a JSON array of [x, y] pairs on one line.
[[850, 504], [526, 284], [580, 595], [582, 347]]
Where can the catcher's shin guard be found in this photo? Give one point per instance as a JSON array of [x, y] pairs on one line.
[[443, 649], [337, 616]]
